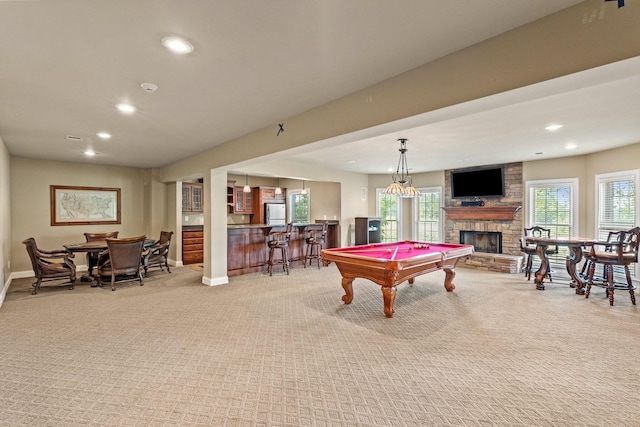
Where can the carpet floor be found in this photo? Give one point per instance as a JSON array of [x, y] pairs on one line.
[[285, 351]]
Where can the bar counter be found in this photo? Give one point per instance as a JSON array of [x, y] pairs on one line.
[[247, 245]]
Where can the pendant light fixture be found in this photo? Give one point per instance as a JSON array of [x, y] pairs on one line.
[[303, 189], [278, 189], [246, 188], [402, 184]]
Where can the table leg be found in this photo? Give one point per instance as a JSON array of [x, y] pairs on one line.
[[450, 273], [574, 258], [389, 297], [347, 285], [541, 251]]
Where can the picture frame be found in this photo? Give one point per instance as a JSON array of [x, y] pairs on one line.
[[71, 205]]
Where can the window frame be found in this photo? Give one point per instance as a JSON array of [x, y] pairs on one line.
[[415, 206], [574, 187], [290, 210], [600, 230], [380, 192]]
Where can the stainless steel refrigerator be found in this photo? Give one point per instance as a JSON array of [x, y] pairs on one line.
[[275, 213]]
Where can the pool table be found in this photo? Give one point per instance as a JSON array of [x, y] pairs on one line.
[[389, 264]]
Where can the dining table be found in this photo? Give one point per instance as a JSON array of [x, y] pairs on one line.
[[96, 246], [575, 256]]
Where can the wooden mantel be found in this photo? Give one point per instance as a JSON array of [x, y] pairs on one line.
[[482, 212]]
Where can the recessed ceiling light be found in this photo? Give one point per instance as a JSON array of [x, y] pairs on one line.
[[570, 146], [104, 135], [553, 127], [349, 162], [126, 108], [149, 87], [177, 45], [90, 153]]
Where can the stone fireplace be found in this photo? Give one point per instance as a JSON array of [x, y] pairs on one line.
[[483, 241], [499, 216]]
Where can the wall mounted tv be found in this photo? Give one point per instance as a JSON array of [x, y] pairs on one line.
[[477, 182]]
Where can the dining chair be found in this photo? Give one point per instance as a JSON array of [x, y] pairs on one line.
[[157, 255], [50, 265], [620, 250], [530, 249], [92, 257], [121, 261]]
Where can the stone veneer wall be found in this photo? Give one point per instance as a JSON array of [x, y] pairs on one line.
[[511, 229]]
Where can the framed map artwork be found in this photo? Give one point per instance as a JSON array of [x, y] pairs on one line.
[[84, 205]]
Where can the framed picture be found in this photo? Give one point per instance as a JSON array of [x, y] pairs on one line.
[[84, 205]]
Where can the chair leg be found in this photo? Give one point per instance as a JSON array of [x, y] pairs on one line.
[[270, 262], [609, 269], [590, 270], [527, 270], [318, 251], [630, 284], [308, 251], [285, 259]]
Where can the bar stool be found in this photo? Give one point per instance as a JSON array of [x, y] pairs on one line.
[[279, 240], [315, 243]]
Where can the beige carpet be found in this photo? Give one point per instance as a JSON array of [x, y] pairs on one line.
[[285, 351]]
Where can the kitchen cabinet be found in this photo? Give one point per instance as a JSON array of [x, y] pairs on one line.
[[262, 195], [192, 200], [192, 245], [231, 194], [242, 202]]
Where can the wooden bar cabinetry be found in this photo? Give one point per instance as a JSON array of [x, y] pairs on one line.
[[247, 246], [192, 200], [242, 202], [262, 195], [192, 245]]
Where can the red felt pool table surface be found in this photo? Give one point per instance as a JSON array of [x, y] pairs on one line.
[[389, 264]]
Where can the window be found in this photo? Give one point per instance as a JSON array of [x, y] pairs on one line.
[[551, 205], [388, 209], [299, 206], [617, 206], [426, 215]]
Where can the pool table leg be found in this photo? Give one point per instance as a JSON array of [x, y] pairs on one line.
[[389, 297], [450, 273], [348, 289]]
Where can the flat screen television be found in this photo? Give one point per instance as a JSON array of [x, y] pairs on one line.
[[477, 182]]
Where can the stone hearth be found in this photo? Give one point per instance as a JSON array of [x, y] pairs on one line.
[[499, 215]]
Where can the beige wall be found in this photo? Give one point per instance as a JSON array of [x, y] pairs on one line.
[[584, 168], [30, 204], [5, 218]]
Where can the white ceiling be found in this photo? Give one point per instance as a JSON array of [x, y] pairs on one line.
[[64, 65]]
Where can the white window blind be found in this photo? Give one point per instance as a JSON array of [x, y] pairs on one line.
[[616, 203], [551, 205]]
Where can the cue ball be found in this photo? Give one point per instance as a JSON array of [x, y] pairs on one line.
[[389, 250]]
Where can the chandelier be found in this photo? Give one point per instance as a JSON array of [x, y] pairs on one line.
[[402, 185]]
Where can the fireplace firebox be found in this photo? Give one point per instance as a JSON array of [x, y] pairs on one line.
[[483, 241]]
